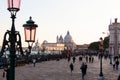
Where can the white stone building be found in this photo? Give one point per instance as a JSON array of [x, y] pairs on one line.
[[114, 41], [60, 43]]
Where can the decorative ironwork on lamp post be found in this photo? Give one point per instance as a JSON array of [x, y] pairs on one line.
[[101, 77], [12, 38], [30, 33]]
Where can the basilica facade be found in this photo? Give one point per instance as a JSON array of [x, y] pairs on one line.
[[60, 44], [67, 40]]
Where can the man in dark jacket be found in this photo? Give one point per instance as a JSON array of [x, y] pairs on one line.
[[83, 69]]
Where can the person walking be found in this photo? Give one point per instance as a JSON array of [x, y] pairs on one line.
[[80, 58], [117, 64], [71, 67], [7, 70], [92, 59], [86, 58], [74, 59], [34, 62], [69, 58], [83, 69], [113, 65]]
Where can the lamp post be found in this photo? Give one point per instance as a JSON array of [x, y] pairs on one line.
[[30, 33], [12, 38], [101, 77], [13, 8]]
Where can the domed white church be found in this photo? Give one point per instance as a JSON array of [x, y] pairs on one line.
[[60, 43], [68, 41]]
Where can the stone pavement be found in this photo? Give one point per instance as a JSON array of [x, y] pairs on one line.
[[59, 70]]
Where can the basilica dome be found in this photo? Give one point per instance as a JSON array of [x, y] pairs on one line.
[[68, 38]]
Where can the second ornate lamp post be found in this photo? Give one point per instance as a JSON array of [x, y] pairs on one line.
[[30, 33], [101, 77]]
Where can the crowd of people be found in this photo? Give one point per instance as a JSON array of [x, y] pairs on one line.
[[84, 60], [83, 66], [89, 59]]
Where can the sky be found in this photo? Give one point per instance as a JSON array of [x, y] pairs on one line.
[[86, 20]]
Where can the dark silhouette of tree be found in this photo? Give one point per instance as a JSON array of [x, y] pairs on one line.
[[106, 42], [94, 46]]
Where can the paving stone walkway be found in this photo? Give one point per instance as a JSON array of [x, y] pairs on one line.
[[59, 70]]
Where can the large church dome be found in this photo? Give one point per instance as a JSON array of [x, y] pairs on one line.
[[68, 38], [69, 43]]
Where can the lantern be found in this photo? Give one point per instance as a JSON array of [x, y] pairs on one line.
[[30, 30], [13, 5]]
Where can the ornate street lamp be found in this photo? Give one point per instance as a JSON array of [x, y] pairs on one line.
[[30, 33], [12, 39], [101, 77], [13, 7]]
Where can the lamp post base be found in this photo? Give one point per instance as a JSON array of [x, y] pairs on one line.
[[100, 78]]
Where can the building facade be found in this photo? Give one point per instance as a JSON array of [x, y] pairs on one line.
[[114, 41], [60, 44]]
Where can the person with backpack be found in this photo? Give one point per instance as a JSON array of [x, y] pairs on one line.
[[83, 69]]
